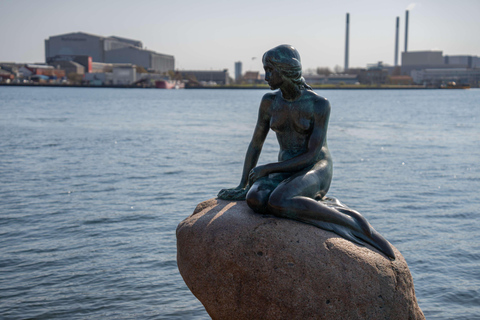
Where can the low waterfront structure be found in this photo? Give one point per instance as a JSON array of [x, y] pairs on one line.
[[30, 70], [69, 67], [252, 77], [100, 67], [315, 78], [400, 80], [124, 75], [206, 76], [437, 77], [6, 76], [116, 74], [11, 67], [336, 79], [341, 79], [98, 79], [83, 60]]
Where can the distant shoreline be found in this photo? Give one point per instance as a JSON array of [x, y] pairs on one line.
[[344, 87], [236, 87]]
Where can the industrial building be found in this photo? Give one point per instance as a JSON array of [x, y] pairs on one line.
[[417, 60], [433, 68], [107, 50], [414, 58], [206, 76], [463, 61]]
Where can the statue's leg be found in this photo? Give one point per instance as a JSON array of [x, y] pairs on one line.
[[294, 198], [259, 193]]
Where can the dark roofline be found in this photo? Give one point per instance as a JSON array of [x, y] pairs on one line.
[[425, 51], [96, 35], [142, 49], [79, 32]]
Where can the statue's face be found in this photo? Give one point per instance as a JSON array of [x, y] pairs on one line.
[[273, 77]]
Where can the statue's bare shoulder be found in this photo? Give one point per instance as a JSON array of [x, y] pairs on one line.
[[320, 105], [269, 97], [266, 103]]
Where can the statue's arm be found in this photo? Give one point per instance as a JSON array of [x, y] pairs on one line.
[[253, 152], [255, 147], [315, 144]]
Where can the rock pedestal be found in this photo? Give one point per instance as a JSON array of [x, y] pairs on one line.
[[242, 265]]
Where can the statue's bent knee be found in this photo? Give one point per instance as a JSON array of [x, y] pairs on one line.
[[257, 202]]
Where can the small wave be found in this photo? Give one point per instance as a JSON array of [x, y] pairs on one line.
[[414, 207], [47, 119], [163, 196], [108, 189], [463, 297], [472, 179], [140, 177], [173, 172], [97, 221], [385, 200]]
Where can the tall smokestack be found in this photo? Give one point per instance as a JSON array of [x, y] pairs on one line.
[[346, 43], [396, 41], [406, 31]]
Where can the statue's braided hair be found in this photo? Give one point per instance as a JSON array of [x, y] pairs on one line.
[[286, 59]]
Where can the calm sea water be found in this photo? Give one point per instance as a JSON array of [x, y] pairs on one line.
[[93, 183]]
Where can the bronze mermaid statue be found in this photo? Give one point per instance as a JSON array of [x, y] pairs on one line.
[[296, 185]]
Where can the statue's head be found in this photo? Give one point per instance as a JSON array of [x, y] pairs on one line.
[[286, 60]]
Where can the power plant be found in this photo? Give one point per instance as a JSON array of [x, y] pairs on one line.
[[430, 68]]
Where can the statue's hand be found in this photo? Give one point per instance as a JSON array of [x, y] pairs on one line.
[[237, 193], [256, 173]]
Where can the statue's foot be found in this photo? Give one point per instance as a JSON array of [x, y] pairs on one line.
[[363, 232], [232, 194]]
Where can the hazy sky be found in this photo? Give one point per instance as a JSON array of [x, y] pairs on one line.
[[210, 34]]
